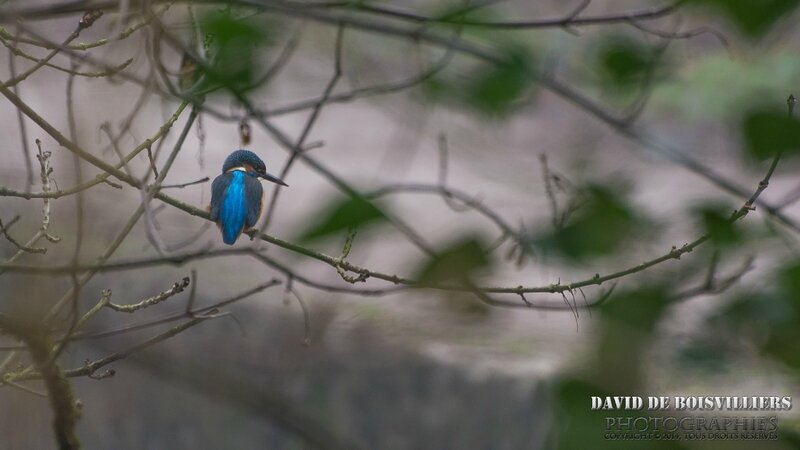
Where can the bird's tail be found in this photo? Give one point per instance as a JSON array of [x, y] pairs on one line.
[[230, 235], [232, 215]]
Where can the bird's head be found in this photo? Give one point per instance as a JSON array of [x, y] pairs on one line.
[[250, 163]]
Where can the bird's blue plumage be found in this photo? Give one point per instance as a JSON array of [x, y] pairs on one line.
[[240, 158], [237, 195], [236, 201]]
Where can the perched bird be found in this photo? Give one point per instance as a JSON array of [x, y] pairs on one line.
[[237, 197]]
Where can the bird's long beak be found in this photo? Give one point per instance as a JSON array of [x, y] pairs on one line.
[[273, 178]]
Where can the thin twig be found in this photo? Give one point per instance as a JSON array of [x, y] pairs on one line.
[[176, 288], [337, 73]]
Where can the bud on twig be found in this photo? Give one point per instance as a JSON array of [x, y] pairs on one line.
[[244, 132], [89, 18]]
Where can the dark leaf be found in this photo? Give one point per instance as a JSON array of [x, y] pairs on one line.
[[624, 61], [758, 312], [495, 89], [784, 328], [599, 227], [769, 132], [789, 283], [577, 426], [782, 345], [629, 322], [715, 221], [771, 319], [233, 56], [790, 437], [455, 263], [754, 17], [341, 216], [640, 309]]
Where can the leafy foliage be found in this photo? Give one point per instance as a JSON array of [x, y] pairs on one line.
[[753, 17], [624, 61], [493, 89], [233, 55], [496, 88], [767, 132], [455, 263], [716, 223], [638, 309], [579, 427], [784, 335], [341, 216], [600, 226], [770, 318], [628, 320]]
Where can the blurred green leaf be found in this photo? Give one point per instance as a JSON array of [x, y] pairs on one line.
[[629, 321], [770, 318], [753, 313], [753, 17], [783, 346], [629, 318], [639, 309], [600, 226], [577, 426], [341, 216], [790, 437], [789, 280], [715, 221], [233, 52], [457, 262], [769, 132], [624, 61], [496, 88]]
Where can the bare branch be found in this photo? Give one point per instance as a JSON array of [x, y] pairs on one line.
[[176, 288]]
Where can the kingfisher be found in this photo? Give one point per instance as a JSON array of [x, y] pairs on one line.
[[237, 197]]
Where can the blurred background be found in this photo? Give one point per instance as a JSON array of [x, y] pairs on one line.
[[557, 190]]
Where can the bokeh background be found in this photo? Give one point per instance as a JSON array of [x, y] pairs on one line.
[[423, 368]]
